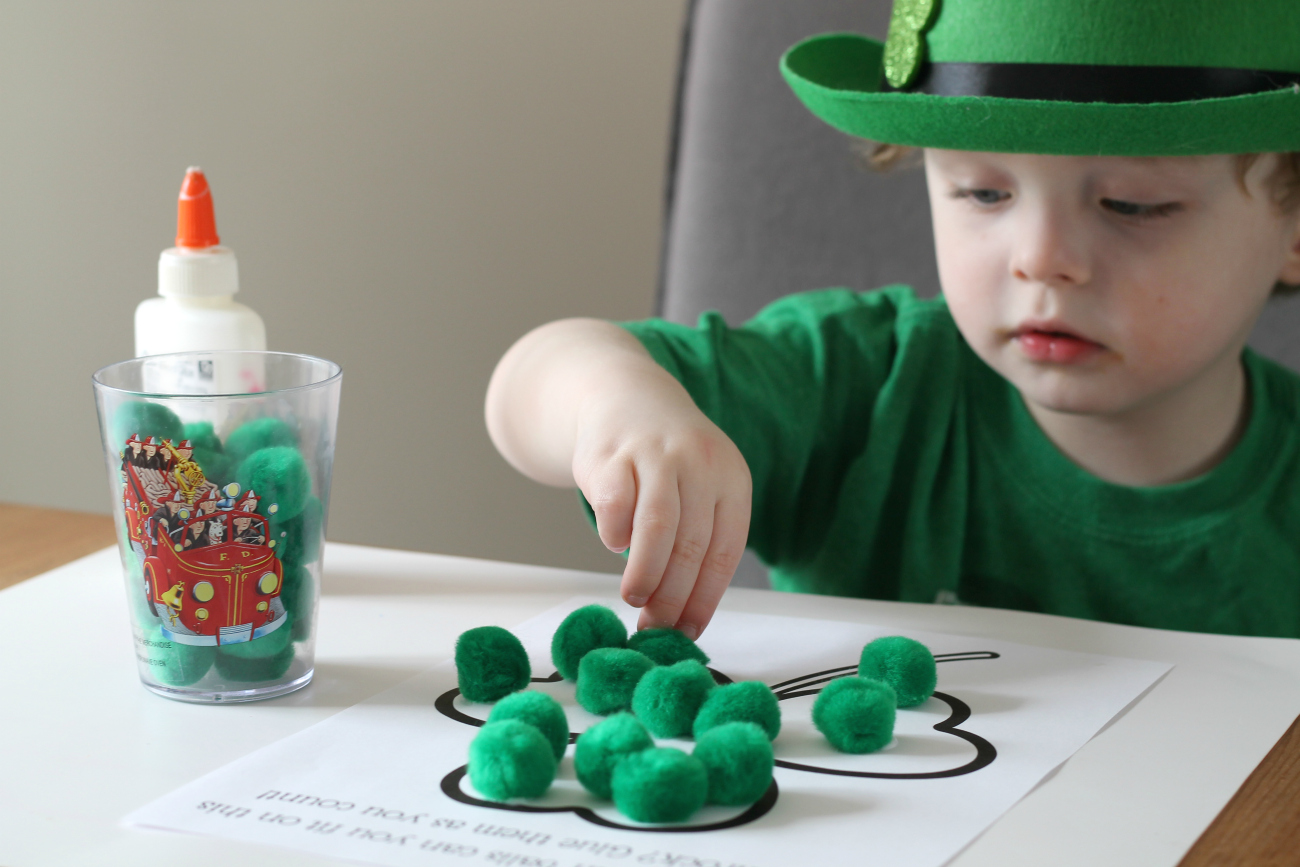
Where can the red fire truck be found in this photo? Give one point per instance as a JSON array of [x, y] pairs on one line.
[[210, 571]]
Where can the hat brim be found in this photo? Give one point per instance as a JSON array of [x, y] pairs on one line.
[[837, 77]]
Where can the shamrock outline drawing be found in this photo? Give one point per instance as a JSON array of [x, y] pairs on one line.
[[808, 684]]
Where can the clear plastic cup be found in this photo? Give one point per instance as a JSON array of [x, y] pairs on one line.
[[220, 501]]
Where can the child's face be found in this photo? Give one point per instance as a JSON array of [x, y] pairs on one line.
[[1101, 285]]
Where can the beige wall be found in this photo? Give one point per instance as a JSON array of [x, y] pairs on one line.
[[409, 187]]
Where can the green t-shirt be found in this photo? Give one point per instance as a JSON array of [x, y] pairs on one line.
[[890, 462]]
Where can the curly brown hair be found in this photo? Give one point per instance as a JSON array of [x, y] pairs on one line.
[[1284, 182]]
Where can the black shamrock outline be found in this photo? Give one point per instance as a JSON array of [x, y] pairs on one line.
[[445, 704], [451, 788], [985, 752]]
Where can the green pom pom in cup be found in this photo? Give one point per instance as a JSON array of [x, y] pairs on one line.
[[217, 467], [218, 614], [145, 419], [298, 539], [265, 658], [280, 477], [171, 663], [298, 595], [258, 434], [204, 436]]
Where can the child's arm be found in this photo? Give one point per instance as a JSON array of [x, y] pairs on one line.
[[581, 402]]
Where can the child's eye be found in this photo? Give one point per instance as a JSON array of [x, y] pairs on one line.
[[1141, 212], [981, 196]]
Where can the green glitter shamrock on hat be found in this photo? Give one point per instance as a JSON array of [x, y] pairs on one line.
[[1081, 77]]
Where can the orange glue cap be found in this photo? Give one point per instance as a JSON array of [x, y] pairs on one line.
[[196, 225], [198, 265]]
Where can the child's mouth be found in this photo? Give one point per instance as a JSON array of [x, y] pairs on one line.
[[1053, 346]]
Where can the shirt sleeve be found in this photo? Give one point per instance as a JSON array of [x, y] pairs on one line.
[[795, 389]]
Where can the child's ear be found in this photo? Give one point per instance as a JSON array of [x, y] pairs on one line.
[[1291, 264]]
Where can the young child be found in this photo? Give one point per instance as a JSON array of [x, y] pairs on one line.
[[1075, 427]]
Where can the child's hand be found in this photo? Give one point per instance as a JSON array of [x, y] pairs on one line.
[[665, 480], [581, 402]]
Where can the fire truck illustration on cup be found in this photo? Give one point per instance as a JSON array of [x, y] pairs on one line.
[[210, 572]]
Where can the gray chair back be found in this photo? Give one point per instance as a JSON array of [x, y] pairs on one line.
[[763, 199]]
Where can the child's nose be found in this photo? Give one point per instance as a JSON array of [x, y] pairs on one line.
[[1050, 250]]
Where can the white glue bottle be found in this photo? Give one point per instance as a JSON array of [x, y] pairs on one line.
[[197, 280]]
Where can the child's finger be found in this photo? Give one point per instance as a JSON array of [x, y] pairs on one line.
[[612, 495], [694, 530], [654, 527], [730, 532]]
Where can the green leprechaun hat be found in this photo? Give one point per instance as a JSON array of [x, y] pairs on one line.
[[1086, 77]]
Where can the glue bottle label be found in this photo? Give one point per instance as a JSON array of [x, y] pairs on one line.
[[241, 374]]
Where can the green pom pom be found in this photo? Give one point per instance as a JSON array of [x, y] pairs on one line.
[[669, 696], [855, 714], [490, 664], [202, 436], [262, 433], [582, 631], [216, 466], [746, 701], [659, 785], [146, 420], [739, 760], [607, 677], [298, 596], [666, 646], [541, 712], [137, 591], [271, 644], [144, 614], [250, 670], [510, 759], [265, 658], [905, 664], [279, 476], [603, 746], [182, 664], [298, 539], [291, 587]]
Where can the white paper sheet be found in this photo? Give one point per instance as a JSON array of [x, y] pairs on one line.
[[383, 782]]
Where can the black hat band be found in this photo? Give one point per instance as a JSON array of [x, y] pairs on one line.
[[1069, 82]]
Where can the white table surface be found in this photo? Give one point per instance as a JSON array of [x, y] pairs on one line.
[[82, 743]]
